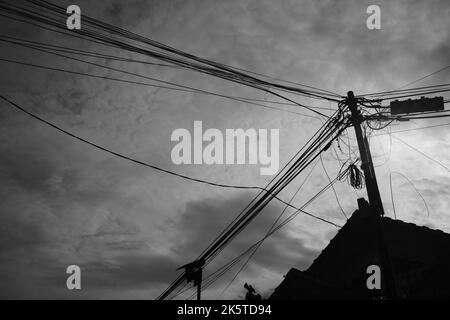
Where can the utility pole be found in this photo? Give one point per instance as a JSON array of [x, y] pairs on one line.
[[193, 273], [199, 284], [373, 193], [366, 160]]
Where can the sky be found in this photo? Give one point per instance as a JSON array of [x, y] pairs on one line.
[[129, 227]]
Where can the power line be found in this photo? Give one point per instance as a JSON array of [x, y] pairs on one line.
[[125, 157], [328, 133], [64, 32], [424, 77], [291, 217], [152, 85], [417, 191], [422, 153], [144, 163], [280, 184], [410, 90], [383, 116], [136, 37], [426, 117], [292, 172], [258, 245], [222, 270], [229, 265], [412, 129], [334, 190], [392, 194], [39, 45], [309, 142], [200, 64], [415, 94], [185, 88]]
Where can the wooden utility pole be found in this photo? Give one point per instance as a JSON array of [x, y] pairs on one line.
[[366, 161], [373, 193]]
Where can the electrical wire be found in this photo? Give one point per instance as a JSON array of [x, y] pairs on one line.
[[268, 232], [417, 191], [152, 85], [422, 153], [212, 68], [229, 265], [392, 194], [332, 187], [412, 129], [411, 90], [423, 78], [128, 158], [40, 46], [330, 130]]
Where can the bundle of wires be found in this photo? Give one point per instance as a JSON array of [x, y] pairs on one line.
[[352, 174], [52, 17], [219, 272], [320, 142], [405, 93]]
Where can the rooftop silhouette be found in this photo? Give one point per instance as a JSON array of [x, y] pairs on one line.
[[418, 259]]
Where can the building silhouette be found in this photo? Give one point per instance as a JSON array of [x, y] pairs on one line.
[[414, 262]]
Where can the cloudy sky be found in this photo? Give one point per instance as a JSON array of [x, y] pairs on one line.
[[129, 227]]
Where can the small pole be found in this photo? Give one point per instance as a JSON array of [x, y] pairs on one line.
[[193, 273], [199, 284]]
